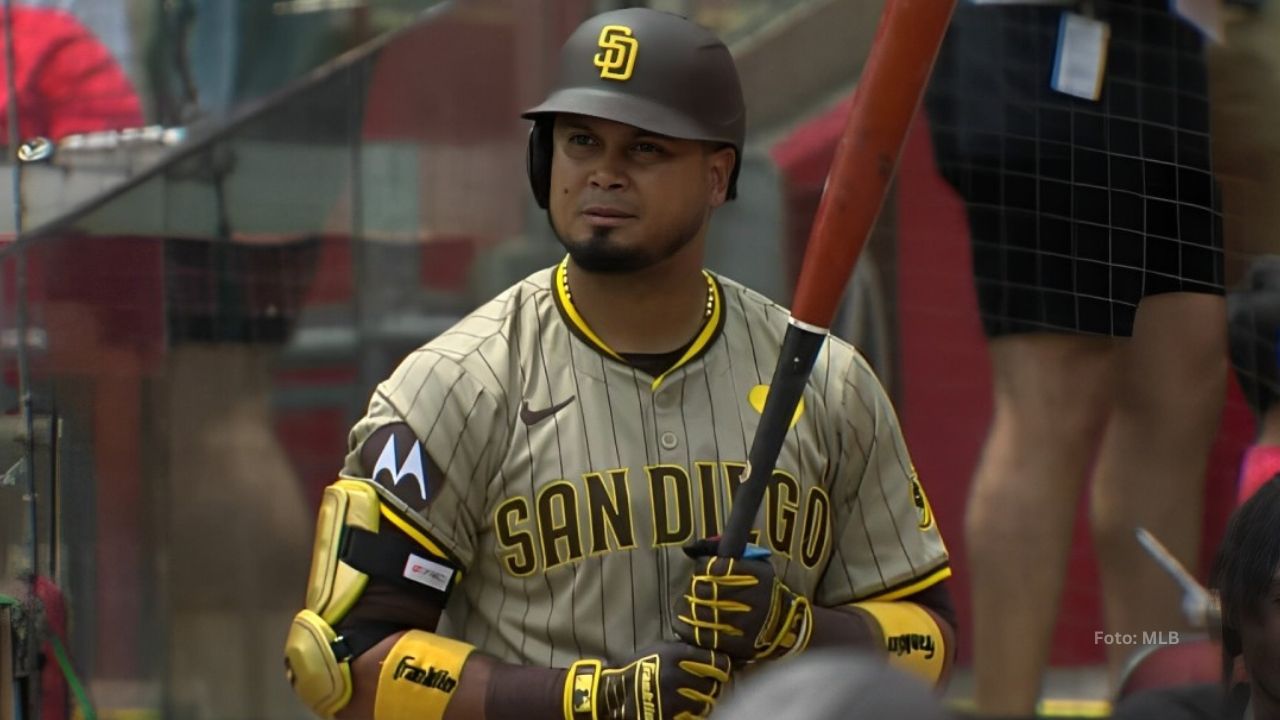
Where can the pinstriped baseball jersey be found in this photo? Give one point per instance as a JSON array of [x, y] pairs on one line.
[[562, 481]]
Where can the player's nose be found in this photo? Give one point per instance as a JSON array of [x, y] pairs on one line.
[[608, 178], [609, 172]]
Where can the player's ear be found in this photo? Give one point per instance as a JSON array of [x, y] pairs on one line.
[[720, 162]]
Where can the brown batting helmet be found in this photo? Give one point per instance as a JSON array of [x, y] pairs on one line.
[[650, 69]]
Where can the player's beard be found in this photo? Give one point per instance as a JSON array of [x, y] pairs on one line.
[[602, 253]]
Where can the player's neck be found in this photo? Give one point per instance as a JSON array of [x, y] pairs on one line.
[[655, 310]]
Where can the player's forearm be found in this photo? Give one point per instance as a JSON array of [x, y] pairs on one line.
[[513, 692], [852, 626], [844, 627], [486, 688]]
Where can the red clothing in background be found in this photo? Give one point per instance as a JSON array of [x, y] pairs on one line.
[[53, 686], [87, 292], [67, 81], [1260, 464]]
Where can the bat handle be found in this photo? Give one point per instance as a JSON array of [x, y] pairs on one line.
[[800, 348]]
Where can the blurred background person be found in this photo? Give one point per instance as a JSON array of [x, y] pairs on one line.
[[1187, 667], [232, 302], [66, 81], [1244, 87], [1247, 577], [1097, 257], [1254, 320]]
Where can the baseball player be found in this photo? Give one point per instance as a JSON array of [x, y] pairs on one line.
[[522, 524]]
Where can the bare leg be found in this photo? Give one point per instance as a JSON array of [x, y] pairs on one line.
[[1052, 396], [1151, 469], [236, 535]]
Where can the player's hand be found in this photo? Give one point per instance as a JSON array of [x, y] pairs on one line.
[[669, 681], [738, 606]]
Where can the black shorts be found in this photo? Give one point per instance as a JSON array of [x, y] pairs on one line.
[[1078, 209]]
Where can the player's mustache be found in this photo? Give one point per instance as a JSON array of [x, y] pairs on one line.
[[594, 203]]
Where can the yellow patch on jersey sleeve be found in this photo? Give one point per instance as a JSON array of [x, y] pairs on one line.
[[924, 511]]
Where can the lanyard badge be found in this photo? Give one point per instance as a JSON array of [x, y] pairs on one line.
[[1081, 57]]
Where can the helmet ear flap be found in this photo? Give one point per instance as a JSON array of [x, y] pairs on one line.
[[538, 160], [731, 192]]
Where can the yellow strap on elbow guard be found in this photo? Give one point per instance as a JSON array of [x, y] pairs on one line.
[[911, 637], [419, 676]]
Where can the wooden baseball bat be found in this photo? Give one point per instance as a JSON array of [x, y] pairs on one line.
[[885, 101]]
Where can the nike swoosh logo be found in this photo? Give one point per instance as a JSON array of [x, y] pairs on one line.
[[533, 417]]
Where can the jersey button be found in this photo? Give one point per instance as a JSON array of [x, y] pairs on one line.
[[669, 440]]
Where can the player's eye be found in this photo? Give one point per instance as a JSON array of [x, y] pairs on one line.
[[582, 139], [648, 148]]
